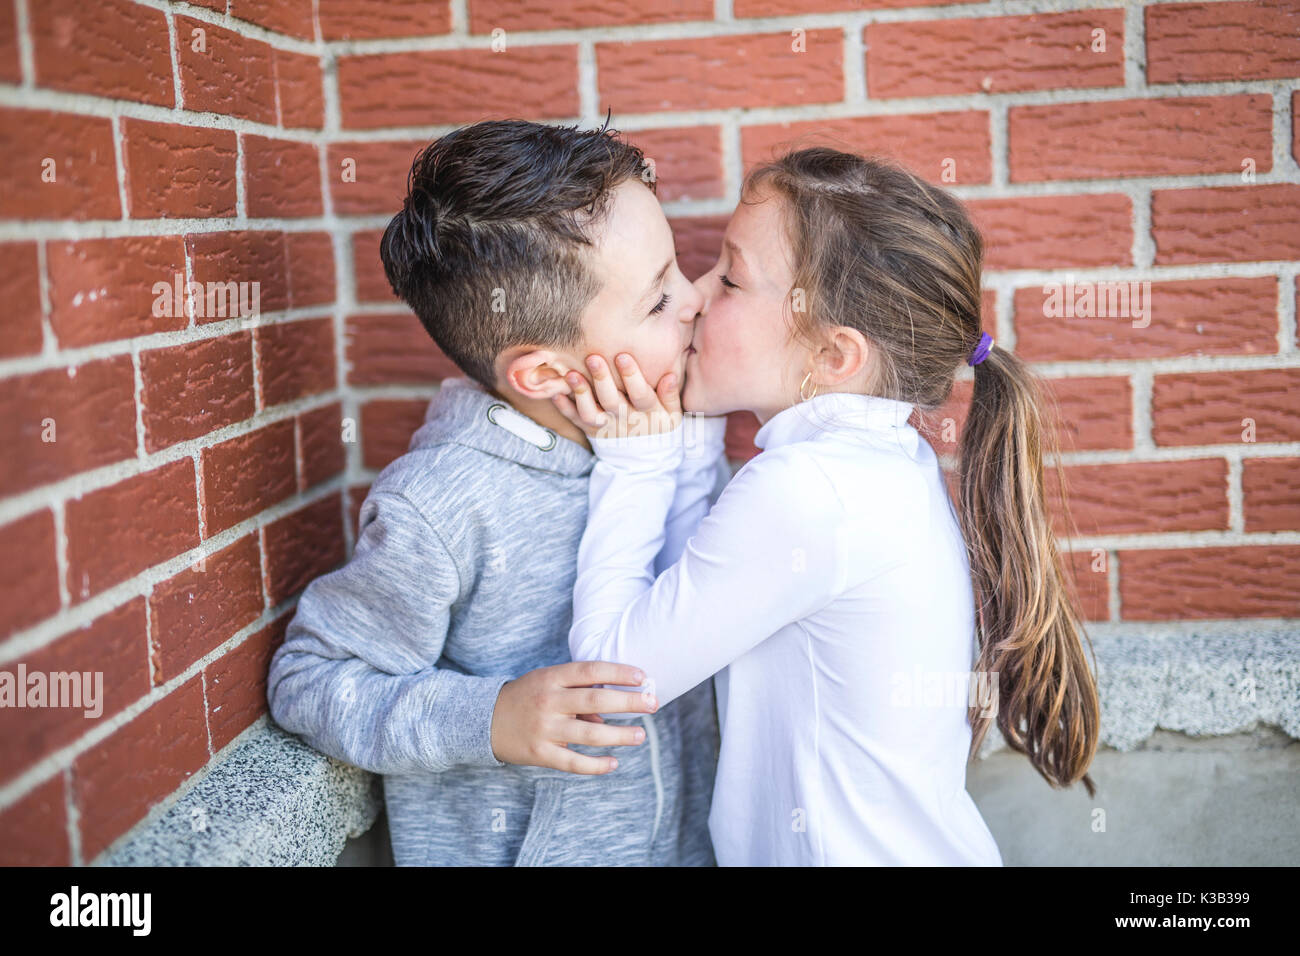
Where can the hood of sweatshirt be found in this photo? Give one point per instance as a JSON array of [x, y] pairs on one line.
[[464, 413]]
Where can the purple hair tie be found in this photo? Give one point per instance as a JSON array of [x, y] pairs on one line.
[[982, 350]]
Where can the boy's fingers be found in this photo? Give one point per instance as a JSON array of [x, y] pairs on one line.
[[589, 700], [607, 735], [642, 396], [561, 758], [587, 673], [567, 408], [593, 718]]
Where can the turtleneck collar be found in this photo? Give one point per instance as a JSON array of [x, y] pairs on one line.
[[464, 413], [844, 412]]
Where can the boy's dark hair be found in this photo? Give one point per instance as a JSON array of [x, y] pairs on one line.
[[488, 246]]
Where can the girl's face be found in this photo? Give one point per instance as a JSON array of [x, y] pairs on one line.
[[743, 359]]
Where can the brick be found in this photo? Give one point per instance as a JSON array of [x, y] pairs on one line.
[[175, 171], [1227, 224], [87, 411], [1086, 570], [117, 532], [230, 74], [248, 474], [36, 827], [758, 70], [453, 86], [302, 546], [103, 289], [687, 161], [781, 8], [386, 429], [994, 54], [511, 15], [192, 389], [1047, 232], [372, 284], [385, 349], [113, 646], [77, 151], [1142, 497], [199, 609], [1184, 317], [310, 258], [1207, 583], [242, 256], [373, 19], [20, 289], [123, 54], [320, 441], [1210, 408], [116, 782], [955, 144], [10, 67], [699, 240], [1269, 498], [377, 174], [281, 178], [236, 682], [291, 17], [295, 359], [298, 88], [29, 573], [1177, 136], [1203, 42], [1091, 414]]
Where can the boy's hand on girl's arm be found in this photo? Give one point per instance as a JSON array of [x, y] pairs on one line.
[[602, 410], [538, 715]]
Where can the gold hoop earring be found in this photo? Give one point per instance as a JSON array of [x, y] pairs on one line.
[[804, 384]]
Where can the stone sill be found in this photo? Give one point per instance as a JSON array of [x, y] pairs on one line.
[[273, 801]]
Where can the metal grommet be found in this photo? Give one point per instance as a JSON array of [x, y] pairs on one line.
[[547, 447]]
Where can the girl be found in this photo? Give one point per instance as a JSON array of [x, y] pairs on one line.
[[830, 586]]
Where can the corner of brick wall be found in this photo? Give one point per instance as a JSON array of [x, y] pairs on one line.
[[172, 481]]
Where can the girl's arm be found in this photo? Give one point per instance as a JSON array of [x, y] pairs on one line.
[[700, 478], [767, 554]]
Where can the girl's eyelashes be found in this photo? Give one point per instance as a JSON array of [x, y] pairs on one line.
[[728, 283], [663, 304]]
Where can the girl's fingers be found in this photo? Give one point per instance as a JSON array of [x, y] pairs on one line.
[[670, 395], [611, 399], [643, 397], [592, 416]]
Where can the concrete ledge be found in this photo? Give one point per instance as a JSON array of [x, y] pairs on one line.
[[1208, 682], [270, 801]]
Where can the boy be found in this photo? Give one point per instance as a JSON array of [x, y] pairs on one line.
[[438, 656]]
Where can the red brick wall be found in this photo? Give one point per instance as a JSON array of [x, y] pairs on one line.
[[172, 480]]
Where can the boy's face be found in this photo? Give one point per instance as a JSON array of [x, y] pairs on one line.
[[645, 306]]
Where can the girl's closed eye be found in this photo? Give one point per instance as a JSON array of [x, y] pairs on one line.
[[728, 283], [663, 304]]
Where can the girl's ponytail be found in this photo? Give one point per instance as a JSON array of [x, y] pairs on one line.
[[1029, 632]]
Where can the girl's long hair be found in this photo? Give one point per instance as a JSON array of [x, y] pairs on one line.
[[880, 250]]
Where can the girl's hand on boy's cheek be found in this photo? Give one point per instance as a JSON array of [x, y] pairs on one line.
[[604, 410]]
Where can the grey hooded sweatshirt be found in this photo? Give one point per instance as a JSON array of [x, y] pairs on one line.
[[462, 578]]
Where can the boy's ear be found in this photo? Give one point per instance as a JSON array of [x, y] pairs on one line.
[[538, 374]]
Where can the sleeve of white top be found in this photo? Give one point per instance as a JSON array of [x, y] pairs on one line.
[[700, 477], [767, 554]]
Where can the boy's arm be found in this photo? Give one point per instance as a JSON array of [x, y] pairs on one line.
[[700, 477], [357, 675]]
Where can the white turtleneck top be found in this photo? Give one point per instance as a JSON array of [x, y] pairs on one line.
[[828, 589]]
